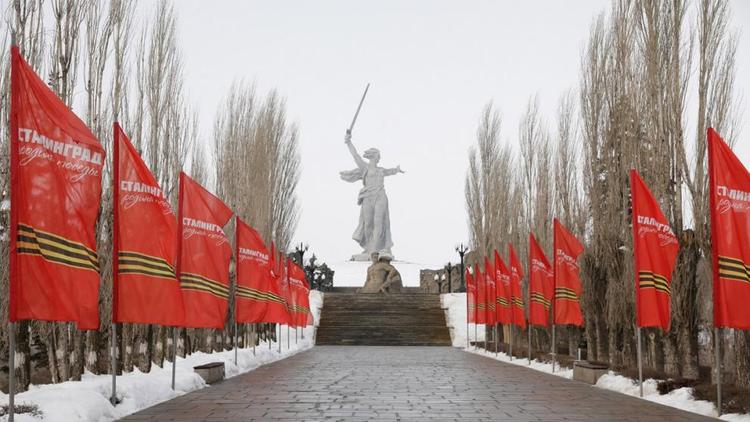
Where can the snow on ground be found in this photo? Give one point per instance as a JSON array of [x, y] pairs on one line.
[[454, 305], [88, 399], [682, 398], [535, 364], [354, 273], [455, 315]]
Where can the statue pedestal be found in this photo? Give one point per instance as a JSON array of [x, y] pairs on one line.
[[360, 257], [363, 257]]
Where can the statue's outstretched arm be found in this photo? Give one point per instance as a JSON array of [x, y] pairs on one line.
[[391, 172], [357, 158]]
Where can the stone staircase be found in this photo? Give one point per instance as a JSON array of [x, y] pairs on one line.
[[399, 319]]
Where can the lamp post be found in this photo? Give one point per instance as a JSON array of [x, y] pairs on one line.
[[316, 279], [462, 249], [448, 269], [439, 281], [301, 249]]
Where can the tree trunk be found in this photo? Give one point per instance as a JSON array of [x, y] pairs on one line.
[[158, 346], [655, 349], [671, 356], [23, 356], [62, 351], [127, 340], [50, 336], [77, 354], [742, 358], [688, 347]]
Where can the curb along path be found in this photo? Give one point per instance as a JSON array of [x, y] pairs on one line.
[[404, 383]]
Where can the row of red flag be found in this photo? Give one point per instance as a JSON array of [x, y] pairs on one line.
[[494, 296], [166, 270]]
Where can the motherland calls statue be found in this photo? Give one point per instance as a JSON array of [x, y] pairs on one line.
[[374, 230], [382, 277]]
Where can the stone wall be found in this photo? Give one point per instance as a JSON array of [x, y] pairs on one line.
[[427, 282]]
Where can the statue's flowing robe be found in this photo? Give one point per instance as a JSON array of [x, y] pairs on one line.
[[373, 232]]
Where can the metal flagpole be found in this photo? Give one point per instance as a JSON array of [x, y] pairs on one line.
[[717, 349], [497, 336], [467, 333], [640, 361], [295, 335], [235, 342], [511, 340], [174, 355], [528, 315], [11, 370], [113, 359], [528, 335], [278, 338], [287, 337], [252, 337], [554, 348], [476, 337]]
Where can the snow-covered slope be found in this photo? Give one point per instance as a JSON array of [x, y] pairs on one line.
[[353, 273]]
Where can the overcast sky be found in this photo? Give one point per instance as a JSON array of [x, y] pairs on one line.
[[433, 65]]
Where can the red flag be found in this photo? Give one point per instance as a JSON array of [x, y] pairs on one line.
[[540, 284], [300, 295], [502, 276], [655, 250], [730, 234], [55, 180], [253, 266], [303, 302], [145, 289], [471, 298], [276, 310], [204, 255], [567, 280], [516, 274], [285, 290], [490, 292], [481, 295]]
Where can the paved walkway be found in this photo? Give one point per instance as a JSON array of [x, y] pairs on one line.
[[403, 383]]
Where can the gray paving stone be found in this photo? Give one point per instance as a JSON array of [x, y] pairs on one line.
[[330, 383]]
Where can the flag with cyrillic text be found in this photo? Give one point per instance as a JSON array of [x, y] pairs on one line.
[[541, 284], [146, 290], [253, 265], [567, 305], [655, 250], [205, 255], [56, 167], [730, 234]]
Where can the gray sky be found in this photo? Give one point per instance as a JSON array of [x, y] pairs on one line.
[[433, 65]]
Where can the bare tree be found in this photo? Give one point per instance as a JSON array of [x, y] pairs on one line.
[[258, 162], [486, 161]]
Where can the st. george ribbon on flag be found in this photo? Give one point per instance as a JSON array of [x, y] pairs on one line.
[[56, 167]]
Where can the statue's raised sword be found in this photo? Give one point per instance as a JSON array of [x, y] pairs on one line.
[[359, 107]]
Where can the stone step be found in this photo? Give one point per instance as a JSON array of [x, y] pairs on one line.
[[387, 319], [370, 336], [410, 318]]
